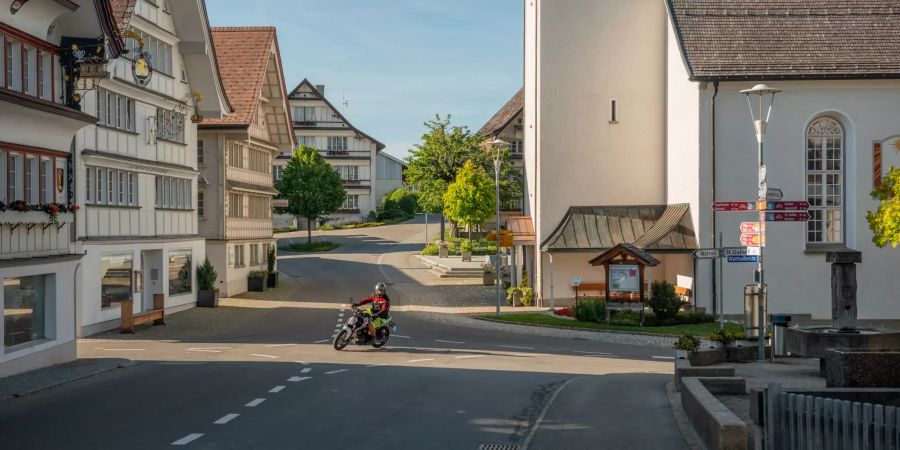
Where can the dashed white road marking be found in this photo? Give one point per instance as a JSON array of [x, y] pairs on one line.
[[321, 341], [121, 349], [302, 362], [255, 402], [448, 342], [296, 379], [305, 370], [420, 360], [226, 418], [264, 356], [663, 357], [469, 356], [277, 389], [516, 346], [209, 348], [280, 345], [401, 337], [188, 439], [592, 353], [335, 371], [204, 350]]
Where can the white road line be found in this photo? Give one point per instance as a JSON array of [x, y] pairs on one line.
[[540, 419], [122, 349], [296, 379], [209, 348], [449, 342], [305, 370], [335, 371], [523, 355], [264, 356], [204, 350], [276, 389], [516, 346], [188, 439], [321, 341], [420, 360], [302, 362], [377, 365], [255, 402], [470, 356], [600, 356], [401, 337], [591, 353], [226, 418], [663, 357], [280, 345]]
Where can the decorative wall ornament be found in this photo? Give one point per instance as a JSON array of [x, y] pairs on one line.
[[142, 70], [16, 6]]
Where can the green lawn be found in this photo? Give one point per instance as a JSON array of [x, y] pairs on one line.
[[315, 246], [355, 225], [702, 329]]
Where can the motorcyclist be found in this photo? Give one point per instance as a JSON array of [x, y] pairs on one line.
[[381, 305]]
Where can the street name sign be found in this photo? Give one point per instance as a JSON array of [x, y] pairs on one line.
[[753, 239], [787, 206], [787, 216], [753, 251], [706, 253], [736, 251], [752, 227], [743, 259], [734, 206]]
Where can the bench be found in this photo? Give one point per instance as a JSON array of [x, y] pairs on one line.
[[157, 315]]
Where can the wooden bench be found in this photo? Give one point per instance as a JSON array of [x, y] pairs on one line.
[[157, 315], [599, 288]]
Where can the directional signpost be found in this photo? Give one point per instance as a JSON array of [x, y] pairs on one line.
[[734, 206], [787, 216], [752, 227]]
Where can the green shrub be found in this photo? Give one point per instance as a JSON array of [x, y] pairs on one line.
[[527, 296], [663, 300], [270, 260], [625, 317], [590, 310], [687, 342], [402, 199], [315, 246], [431, 250], [465, 245], [258, 274], [206, 276], [391, 214]]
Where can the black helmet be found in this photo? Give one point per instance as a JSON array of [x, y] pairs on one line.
[[380, 289]]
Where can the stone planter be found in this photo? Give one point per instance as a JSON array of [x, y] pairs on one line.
[[467, 256], [208, 299], [272, 280], [681, 354], [713, 344], [488, 278], [443, 252], [255, 284], [744, 343]]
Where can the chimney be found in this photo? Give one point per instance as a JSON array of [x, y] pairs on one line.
[[321, 89]]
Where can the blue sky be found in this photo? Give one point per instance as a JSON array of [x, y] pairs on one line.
[[397, 62]]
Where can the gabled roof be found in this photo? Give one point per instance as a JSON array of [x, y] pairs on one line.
[[788, 39], [243, 54], [505, 115], [114, 18], [631, 250], [318, 96], [394, 159], [658, 228]]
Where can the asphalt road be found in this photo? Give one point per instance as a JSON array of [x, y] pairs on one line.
[[279, 385]]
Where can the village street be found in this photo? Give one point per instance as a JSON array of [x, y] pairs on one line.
[[261, 373]]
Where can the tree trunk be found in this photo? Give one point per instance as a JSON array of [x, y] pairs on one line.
[[443, 231], [308, 231], [470, 231]]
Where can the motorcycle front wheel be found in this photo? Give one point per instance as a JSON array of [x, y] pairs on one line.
[[341, 340], [381, 337]]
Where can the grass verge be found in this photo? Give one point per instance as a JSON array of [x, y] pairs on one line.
[[316, 246], [366, 224], [699, 329]]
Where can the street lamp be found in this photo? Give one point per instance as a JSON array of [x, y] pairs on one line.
[[764, 96], [497, 145]]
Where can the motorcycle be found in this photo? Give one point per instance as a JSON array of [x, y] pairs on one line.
[[357, 328]]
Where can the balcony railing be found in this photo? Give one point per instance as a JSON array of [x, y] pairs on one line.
[[348, 154], [304, 123]]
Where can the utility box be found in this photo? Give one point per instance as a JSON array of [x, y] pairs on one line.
[[752, 301]]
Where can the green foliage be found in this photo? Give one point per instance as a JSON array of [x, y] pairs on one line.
[[311, 186], [465, 246], [470, 198], [318, 246], [392, 214], [258, 274], [402, 199], [687, 342], [663, 300], [885, 221], [527, 296], [444, 150], [270, 260], [206, 276], [590, 310], [431, 250], [487, 268]]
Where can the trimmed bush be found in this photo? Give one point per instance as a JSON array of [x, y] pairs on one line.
[[663, 300], [402, 199], [590, 310]]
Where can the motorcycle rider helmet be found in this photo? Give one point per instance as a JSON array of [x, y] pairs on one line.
[[380, 289]]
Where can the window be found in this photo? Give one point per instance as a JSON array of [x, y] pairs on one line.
[[110, 187], [122, 187], [88, 187], [101, 174], [115, 110], [180, 272], [235, 154], [170, 125], [200, 211], [348, 173], [32, 180], [8, 48], [259, 207], [14, 187], [199, 151], [309, 141], [235, 205], [305, 114], [254, 254], [47, 180], [237, 259], [160, 52], [613, 111], [337, 143], [173, 193], [28, 66], [825, 181], [115, 278], [279, 172], [24, 309], [516, 147], [259, 161], [132, 189], [351, 203]]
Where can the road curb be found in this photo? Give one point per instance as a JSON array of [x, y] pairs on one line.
[[67, 375], [681, 420], [560, 327]]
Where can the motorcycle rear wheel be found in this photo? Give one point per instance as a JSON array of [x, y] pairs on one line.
[[341, 340], [381, 337]]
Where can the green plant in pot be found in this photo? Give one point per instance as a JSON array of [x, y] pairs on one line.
[[487, 272], [208, 294], [527, 296], [256, 281], [443, 249], [465, 248], [513, 295], [270, 265], [686, 344]]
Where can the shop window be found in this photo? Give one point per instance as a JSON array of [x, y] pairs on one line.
[[180, 272], [24, 309], [115, 278]]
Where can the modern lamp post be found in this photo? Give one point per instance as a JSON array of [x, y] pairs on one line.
[[764, 97], [497, 145]]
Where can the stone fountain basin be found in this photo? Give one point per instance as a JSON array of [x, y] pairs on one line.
[[811, 342], [862, 368]]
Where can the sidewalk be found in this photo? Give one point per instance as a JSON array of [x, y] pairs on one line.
[[49, 377]]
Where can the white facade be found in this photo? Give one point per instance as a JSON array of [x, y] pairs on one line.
[[318, 124], [137, 172], [38, 258], [389, 176]]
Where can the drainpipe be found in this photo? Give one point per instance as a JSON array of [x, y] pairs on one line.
[[717, 300], [76, 331]]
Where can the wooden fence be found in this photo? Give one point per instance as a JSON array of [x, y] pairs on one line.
[[796, 421]]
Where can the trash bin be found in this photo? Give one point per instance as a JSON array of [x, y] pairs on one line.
[[780, 322], [751, 310]]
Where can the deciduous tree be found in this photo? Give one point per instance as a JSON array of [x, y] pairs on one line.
[[470, 197], [885, 221], [311, 186]]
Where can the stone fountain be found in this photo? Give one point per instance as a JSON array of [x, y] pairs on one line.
[[811, 342]]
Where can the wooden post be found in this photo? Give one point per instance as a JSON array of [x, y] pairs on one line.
[[641, 287], [159, 303], [126, 311]]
